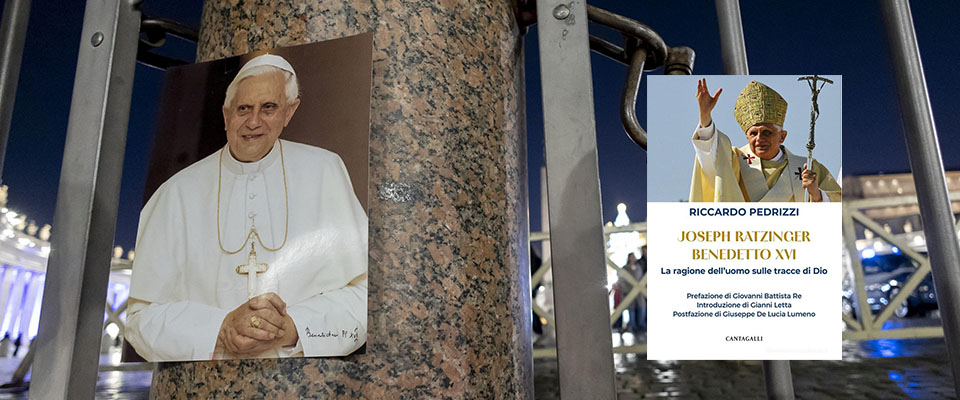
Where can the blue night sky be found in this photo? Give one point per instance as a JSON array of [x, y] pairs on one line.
[[782, 38]]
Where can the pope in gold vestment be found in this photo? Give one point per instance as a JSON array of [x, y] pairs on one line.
[[763, 170]]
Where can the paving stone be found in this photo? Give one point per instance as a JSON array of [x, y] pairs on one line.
[[875, 369]]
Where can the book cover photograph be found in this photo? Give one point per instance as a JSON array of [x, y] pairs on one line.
[[744, 217]]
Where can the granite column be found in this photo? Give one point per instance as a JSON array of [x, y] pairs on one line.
[[449, 299]]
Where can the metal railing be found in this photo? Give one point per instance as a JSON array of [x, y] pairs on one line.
[[639, 288], [864, 325]]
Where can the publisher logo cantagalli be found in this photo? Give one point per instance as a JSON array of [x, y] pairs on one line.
[[737, 338]]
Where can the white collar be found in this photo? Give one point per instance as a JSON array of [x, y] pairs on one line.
[[776, 158], [248, 168], [780, 154]]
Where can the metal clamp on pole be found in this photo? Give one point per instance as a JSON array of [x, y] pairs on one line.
[[155, 32], [584, 346], [643, 50], [679, 61], [648, 38], [85, 220], [928, 174], [628, 99]]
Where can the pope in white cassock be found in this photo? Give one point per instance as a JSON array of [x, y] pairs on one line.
[[762, 170], [258, 250]]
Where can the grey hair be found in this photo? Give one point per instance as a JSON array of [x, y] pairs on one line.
[[291, 87]]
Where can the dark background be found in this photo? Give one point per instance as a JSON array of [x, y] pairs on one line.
[[799, 37]]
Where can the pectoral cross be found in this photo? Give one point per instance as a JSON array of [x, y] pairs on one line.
[[252, 268]]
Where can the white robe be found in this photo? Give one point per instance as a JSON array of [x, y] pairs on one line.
[[183, 285]]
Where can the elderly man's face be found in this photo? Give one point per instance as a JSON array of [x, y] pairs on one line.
[[765, 140], [257, 115]]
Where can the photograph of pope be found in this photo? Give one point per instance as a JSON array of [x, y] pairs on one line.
[[763, 169], [257, 250]]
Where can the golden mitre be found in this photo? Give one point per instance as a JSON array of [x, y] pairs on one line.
[[758, 104]]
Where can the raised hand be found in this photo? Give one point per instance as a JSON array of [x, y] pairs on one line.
[[706, 102]]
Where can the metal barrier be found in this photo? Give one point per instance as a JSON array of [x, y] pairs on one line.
[[85, 221], [865, 325], [573, 189], [926, 164], [639, 288]]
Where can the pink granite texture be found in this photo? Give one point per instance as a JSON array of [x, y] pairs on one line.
[[449, 292]]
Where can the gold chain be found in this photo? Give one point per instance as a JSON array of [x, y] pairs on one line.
[[253, 230]]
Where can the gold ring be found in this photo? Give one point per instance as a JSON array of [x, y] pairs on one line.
[[255, 321]]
